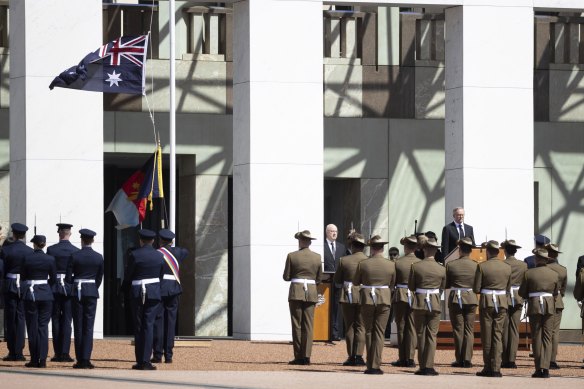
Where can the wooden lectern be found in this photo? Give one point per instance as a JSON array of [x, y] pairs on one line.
[[322, 311]]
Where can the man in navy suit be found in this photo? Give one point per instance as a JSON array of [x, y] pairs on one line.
[[88, 269], [170, 290], [61, 317], [38, 274], [13, 258], [144, 272], [333, 252], [456, 230]]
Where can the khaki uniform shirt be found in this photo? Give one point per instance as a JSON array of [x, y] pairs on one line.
[[427, 274], [563, 276], [493, 274], [375, 271], [403, 266], [346, 273], [518, 269], [303, 264], [536, 280], [460, 273]]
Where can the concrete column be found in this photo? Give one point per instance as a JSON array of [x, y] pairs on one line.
[[277, 155], [56, 137], [489, 120], [388, 35], [197, 29]]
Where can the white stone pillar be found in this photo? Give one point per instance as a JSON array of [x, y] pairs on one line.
[[489, 120], [56, 137], [277, 155]]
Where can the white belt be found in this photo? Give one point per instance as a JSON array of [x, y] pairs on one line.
[[373, 295], [459, 294], [143, 284], [79, 282], [494, 293], [61, 278], [348, 285], [428, 292], [541, 295], [513, 289], [405, 286], [169, 277], [304, 281], [32, 283], [17, 278]]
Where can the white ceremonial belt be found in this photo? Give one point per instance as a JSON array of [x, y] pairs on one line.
[[462, 289], [169, 277], [61, 276], [427, 291], [373, 295], [459, 294], [541, 294], [514, 287], [401, 286], [348, 285], [304, 281], [494, 293], [405, 286], [36, 282], [79, 282], [145, 281], [13, 276]]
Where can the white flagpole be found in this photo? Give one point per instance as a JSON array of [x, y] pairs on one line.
[[171, 114]]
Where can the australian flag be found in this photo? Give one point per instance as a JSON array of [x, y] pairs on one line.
[[116, 67]]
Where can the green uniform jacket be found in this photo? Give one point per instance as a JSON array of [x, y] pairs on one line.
[[375, 271], [493, 274], [303, 264], [563, 275], [403, 266], [518, 269], [540, 279], [460, 273], [427, 274], [346, 273]]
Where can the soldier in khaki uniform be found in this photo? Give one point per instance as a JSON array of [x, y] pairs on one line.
[[513, 318], [303, 269], [376, 276], [539, 286], [492, 281], [553, 251], [427, 278], [354, 327], [462, 302], [402, 304]]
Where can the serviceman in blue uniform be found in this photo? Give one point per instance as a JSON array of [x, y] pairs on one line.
[[88, 269], [13, 256], [61, 317], [38, 275], [170, 290], [144, 272]]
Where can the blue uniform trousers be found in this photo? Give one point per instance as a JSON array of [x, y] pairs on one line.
[[14, 324], [61, 324], [144, 317], [38, 315], [83, 322], [164, 327]]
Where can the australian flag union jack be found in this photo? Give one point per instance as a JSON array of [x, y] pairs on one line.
[[116, 67]]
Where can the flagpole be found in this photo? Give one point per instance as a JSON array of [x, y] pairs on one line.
[[171, 114]]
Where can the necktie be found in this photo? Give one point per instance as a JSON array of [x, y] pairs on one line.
[[333, 248], [460, 231]]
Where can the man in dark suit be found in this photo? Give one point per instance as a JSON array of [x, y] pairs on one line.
[[333, 252], [144, 272], [579, 264], [13, 258], [38, 276], [454, 231], [540, 242], [88, 269], [62, 314], [170, 290]]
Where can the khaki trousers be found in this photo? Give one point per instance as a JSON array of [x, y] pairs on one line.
[[556, 334], [354, 329], [511, 333], [375, 318], [406, 330], [492, 337], [542, 327], [462, 321], [427, 324], [302, 315]]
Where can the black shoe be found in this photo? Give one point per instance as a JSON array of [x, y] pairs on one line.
[[32, 364], [336, 339], [359, 361], [554, 366], [373, 371], [168, 360], [79, 365], [496, 374], [156, 360], [9, 358], [466, 364], [296, 361], [410, 363], [20, 358], [398, 363], [56, 358], [509, 365], [43, 363], [66, 358], [349, 362], [484, 373], [431, 371], [537, 374], [531, 355], [306, 362], [545, 373], [420, 372], [457, 364], [144, 366]]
